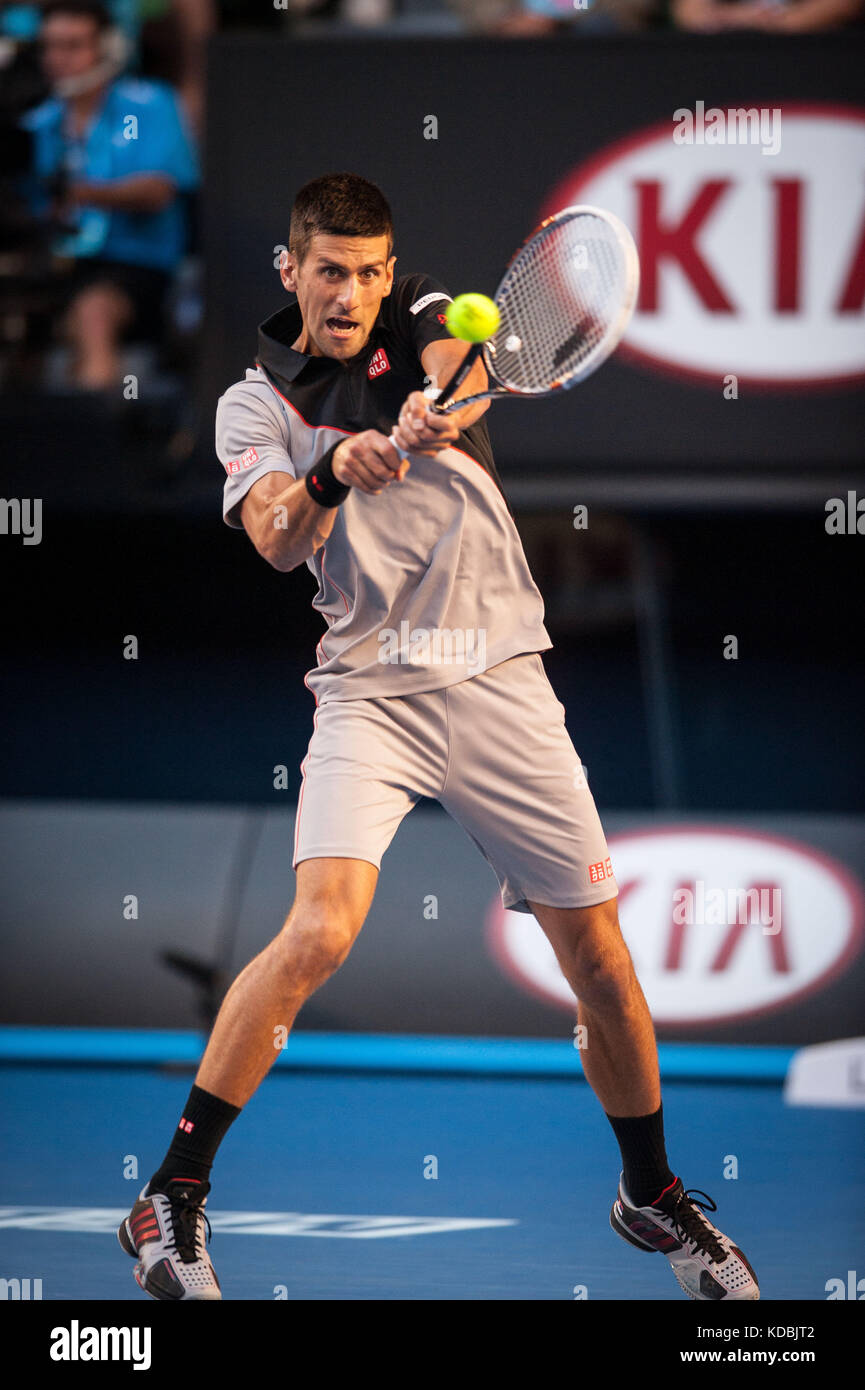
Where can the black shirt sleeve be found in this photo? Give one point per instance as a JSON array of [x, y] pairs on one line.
[[417, 308]]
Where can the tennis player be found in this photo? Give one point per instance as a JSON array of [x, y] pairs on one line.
[[429, 682]]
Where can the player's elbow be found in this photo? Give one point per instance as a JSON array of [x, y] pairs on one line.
[[277, 552], [282, 551]]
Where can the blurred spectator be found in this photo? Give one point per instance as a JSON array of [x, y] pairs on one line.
[[771, 16], [366, 14], [538, 18], [174, 36], [165, 39], [112, 159]]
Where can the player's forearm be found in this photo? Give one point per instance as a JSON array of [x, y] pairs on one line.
[[469, 414], [290, 527], [475, 381]]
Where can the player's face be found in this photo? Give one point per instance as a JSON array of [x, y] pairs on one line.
[[339, 286]]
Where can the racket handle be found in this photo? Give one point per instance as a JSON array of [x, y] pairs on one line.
[[438, 398], [431, 394], [458, 377]]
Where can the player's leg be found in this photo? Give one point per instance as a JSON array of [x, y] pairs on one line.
[[621, 1065], [367, 764], [652, 1210], [332, 901], [517, 785], [617, 1049], [166, 1228]]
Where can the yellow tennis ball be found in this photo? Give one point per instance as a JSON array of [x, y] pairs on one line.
[[472, 317]]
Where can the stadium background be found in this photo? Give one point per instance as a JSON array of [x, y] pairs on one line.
[[148, 805], [706, 518]]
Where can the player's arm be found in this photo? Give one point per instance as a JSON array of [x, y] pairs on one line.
[[288, 518], [284, 523], [287, 524], [419, 428]]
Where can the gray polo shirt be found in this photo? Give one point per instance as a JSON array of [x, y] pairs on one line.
[[423, 586]]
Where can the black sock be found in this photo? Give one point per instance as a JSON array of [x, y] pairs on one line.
[[203, 1125], [644, 1155]]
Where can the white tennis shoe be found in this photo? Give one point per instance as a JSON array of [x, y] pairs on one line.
[[706, 1262]]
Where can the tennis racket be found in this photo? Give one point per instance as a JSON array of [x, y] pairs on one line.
[[564, 302]]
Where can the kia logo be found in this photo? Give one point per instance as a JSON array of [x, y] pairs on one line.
[[750, 265], [721, 924]]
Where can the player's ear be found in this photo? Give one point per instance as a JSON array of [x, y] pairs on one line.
[[288, 271]]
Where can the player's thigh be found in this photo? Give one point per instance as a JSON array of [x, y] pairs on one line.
[[516, 784], [340, 887]]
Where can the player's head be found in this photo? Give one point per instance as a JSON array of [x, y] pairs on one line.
[[339, 262]]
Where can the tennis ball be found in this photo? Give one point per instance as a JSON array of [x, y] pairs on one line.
[[472, 317]]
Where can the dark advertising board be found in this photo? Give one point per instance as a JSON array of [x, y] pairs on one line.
[[737, 165]]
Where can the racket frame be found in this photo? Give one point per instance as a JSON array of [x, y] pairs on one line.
[[444, 403]]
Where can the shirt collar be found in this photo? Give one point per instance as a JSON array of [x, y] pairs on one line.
[[275, 337]]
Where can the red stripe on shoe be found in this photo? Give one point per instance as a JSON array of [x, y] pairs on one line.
[[141, 1227]]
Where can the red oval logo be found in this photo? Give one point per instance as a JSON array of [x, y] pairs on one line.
[[750, 225], [720, 924]]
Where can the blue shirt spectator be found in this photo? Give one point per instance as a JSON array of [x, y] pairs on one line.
[[138, 129]]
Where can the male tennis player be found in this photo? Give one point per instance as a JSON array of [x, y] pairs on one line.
[[429, 682]]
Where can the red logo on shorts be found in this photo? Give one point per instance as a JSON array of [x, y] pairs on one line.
[[378, 363], [186, 1125], [246, 460], [598, 872]]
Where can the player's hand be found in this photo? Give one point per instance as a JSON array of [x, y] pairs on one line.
[[422, 430], [368, 461]]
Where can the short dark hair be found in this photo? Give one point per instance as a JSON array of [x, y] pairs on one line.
[[339, 205], [87, 9]]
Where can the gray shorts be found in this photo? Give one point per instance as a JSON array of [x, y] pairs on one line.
[[493, 750]]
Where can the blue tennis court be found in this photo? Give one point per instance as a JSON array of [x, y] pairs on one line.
[[424, 1185]]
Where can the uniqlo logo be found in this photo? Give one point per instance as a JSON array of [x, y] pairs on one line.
[[598, 872], [609, 868], [246, 460], [186, 1125], [442, 318], [378, 363]]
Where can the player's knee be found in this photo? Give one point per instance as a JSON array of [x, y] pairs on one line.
[[314, 943], [602, 966], [602, 976]]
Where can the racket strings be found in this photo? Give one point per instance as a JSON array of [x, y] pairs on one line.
[[561, 305]]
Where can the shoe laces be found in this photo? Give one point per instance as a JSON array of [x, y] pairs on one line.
[[185, 1216], [695, 1228]]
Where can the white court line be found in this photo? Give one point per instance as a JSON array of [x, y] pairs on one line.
[[105, 1220]]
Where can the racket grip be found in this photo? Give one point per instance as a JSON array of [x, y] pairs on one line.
[[432, 394]]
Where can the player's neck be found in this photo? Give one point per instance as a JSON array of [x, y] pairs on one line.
[[308, 346]]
